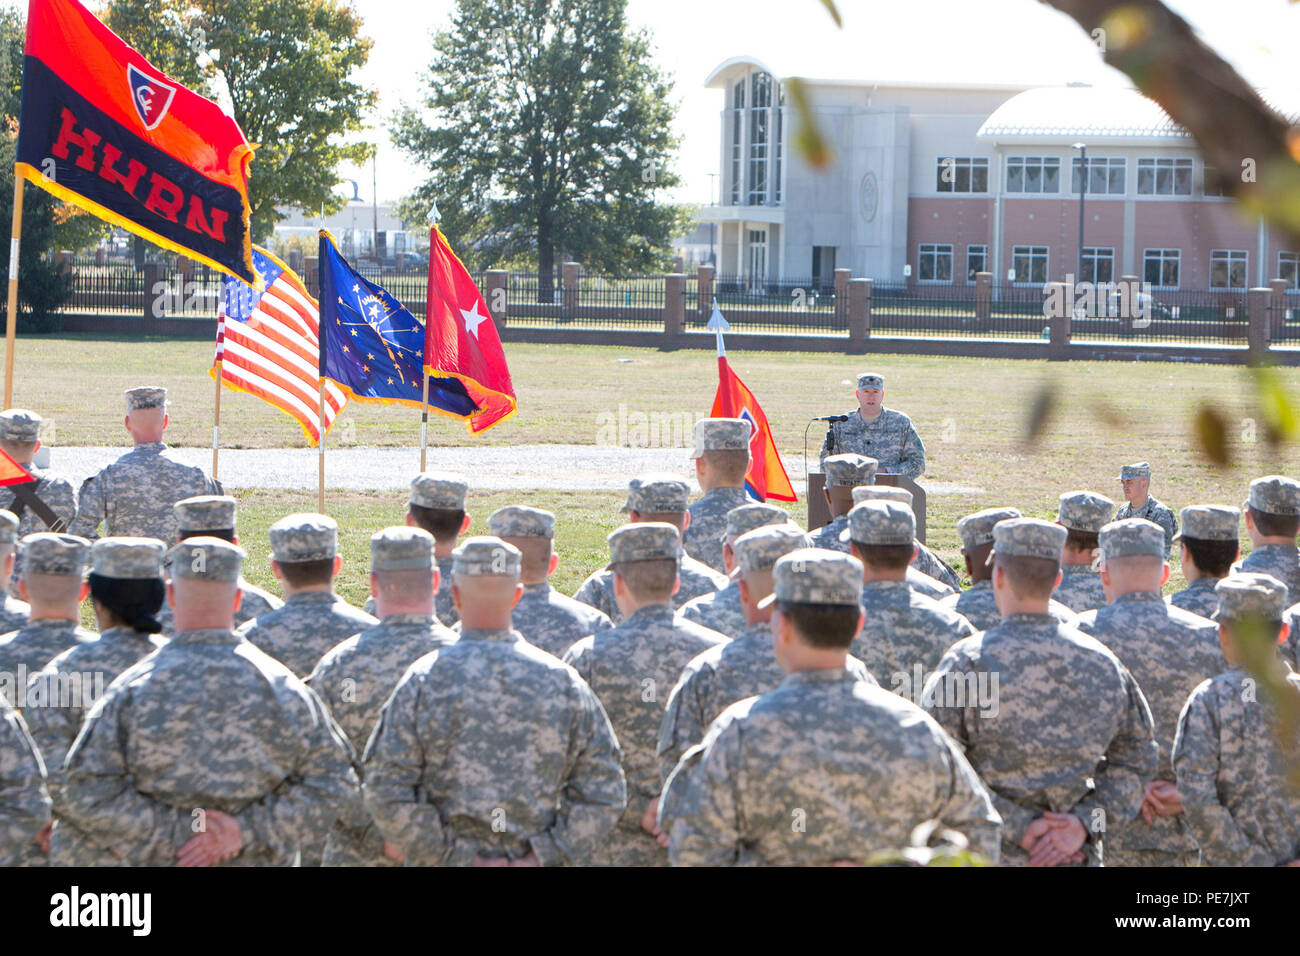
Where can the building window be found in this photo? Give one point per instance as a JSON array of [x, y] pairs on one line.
[[1164, 177], [977, 260], [1033, 174], [1288, 268], [1160, 267], [934, 262], [757, 259], [961, 174], [760, 111], [1098, 265], [1105, 176], [737, 139], [1209, 181], [1029, 264], [1228, 269], [778, 122], [823, 268]]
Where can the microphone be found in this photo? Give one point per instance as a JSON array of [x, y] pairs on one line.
[[832, 418]]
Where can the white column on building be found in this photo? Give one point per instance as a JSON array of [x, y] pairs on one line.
[[1262, 254]]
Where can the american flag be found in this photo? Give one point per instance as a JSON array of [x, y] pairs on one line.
[[268, 346]]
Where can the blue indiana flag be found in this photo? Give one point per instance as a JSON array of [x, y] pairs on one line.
[[370, 345]]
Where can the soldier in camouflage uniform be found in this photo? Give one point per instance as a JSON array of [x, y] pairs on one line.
[[1232, 774], [905, 633], [977, 604], [13, 612], [437, 504], [1063, 702], [863, 767], [214, 516], [211, 729], [19, 439], [133, 496], [1081, 514], [631, 669], [313, 619], [24, 803], [491, 750], [1208, 545], [1169, 652], [655, 498], [721, 611], [356, 677], [53, 565], [545, 617], [881, 433], [722, 460], [843, 474], [1136, 480], [1272, 521], [928, 573]]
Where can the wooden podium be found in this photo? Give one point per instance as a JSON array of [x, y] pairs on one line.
[[819, 513]]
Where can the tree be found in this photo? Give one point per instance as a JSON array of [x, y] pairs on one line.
[[285, 67], [546, 127]]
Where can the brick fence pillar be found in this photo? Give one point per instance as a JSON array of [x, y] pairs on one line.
[[983, 298], [1128, 288], [842, 277], [1259, 332], [704, 297], [1278, 302], [569, 282], [1060, 301], [859, 292], [495, 283], [311, 274], [674, 303]]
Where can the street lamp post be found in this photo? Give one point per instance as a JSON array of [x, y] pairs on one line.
[[1083, 190]]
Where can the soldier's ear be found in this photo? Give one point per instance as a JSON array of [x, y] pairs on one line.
[[1283, 632], [22, 590], [1165, 576], [552, 564], [338, 564], [686, 521], [85, 590], [677, 583], [464, 525], [519, 592]]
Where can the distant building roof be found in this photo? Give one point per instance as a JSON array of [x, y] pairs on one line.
[[839, 61]]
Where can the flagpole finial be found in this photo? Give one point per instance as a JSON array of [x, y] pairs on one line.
[[434, 215]]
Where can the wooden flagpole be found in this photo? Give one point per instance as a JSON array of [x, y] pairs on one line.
[[424, 421], [216, 422], [11, 325], [320, 494], [424, 398]]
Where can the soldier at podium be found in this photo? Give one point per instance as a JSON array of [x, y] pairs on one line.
[[878, 432]]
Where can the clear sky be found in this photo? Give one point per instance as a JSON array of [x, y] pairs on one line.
[[1022, 41]]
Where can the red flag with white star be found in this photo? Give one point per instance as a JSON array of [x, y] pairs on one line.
[[461, 340]]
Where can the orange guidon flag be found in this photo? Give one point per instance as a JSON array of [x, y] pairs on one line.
[[12, 473], [103, 130]]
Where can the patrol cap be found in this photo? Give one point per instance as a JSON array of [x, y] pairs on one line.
[[1131, 537], [205, 513], [1275, 495], [849, 471], [880, 522], [1139, 469], [644, 541], [443, 490], [304, 537], [8, 527], [881, 493], [871, 380], [401, 548], [1085, 511], [519, 521], [721, 434], [206, 559], [1209, 523], [748, 517], [758, 550], [132, 559], [1249, 594], [657, 494], [816, 576], [146, 396], [1028, 538], [487, 556], [977, 529], [19, 425], [48, 553]]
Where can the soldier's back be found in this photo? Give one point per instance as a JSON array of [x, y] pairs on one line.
[[904, 629], [554, 622], [58, 494], [719, 611], [694, 580], [22, 793], [37, 643], [1280, 560], [702, 539], [1199, 597], [13, 613], [301, 631], [828, 535], [978, 606], [1080, 588], [134, 495]]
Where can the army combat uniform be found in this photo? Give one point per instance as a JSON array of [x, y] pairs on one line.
[[1151, 509], [1277, 495], [702, 538], [1205, 523], [23, 427], [1080, 588], [13, 612], [24, 804], [978, 606], [890, 438]]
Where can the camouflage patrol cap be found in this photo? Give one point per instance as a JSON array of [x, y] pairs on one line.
[[758, 550], [1249, 594], [146, 396], [748, 517], [871, 380], [977, 529], [205, 513], [1209, 523], [518, 521], [304, 537], [130, 559], [206, 559], [1275, 495], [849, 471], [486, 556], [400, 548], [1139, 469], [880, 522], [443, 490], [721, 434], [1131, 537], [19, 425], [48, 553], [882, 493], [1027, 538], [816, 576], [657, 494], [8, 527], [644, 541], [1085, 511]]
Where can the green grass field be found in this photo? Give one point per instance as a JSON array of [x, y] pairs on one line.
[[972, 414]]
